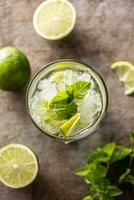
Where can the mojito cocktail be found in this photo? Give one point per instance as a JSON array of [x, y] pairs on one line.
[[67, 100]]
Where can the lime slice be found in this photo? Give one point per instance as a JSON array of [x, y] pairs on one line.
[[125, 70], [18, 166], [122, 67], [54, 19], [69, 125]]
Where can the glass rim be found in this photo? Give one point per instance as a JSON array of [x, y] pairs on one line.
[[84, 129]]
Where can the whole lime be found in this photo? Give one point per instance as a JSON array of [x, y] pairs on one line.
[[14, 69]]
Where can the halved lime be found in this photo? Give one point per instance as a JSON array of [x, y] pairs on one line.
[[18, 166], [14, 69], [69, 125], [125, 70], [54, 19]]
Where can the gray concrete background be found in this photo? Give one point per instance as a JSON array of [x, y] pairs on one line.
[[104, 33]]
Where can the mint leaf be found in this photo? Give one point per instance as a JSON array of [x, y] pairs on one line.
[[69, 90], [102, 154], [63, 110], [99, 183], [114, 191], [94, 180], [62, 105], [61, 97], [80, 89], [119, 153], [127, 177], [95, 168], [88, 198], [132, 138], [83, 171], [123, 176], [98, 156], [108, 148], [104, 189], [98, 169]]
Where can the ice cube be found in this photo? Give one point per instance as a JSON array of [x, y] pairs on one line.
[[85, 76], [46, 89], [68, 79], [90, 107], [43, 84]]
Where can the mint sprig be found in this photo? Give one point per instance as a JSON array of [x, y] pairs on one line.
[[63, 104], [78, 89], [97, 169]]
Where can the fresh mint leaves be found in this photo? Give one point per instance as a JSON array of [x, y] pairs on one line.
[[127, 177], [88, 198], [63, 110], [97, 169], [132, 139], [119, 153], [61, 97], [102, 154], [62, 105], [78, 89]]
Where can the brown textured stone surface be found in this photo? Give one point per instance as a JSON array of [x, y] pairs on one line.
[[104, 32]]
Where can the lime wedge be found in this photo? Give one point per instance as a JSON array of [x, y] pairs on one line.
[[69, 125], [125, 70], [18, 166], [54, 19]]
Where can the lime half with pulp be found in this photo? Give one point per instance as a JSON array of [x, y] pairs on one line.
[[18, 166], [70, 125], [54, 19], [125, 70]]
